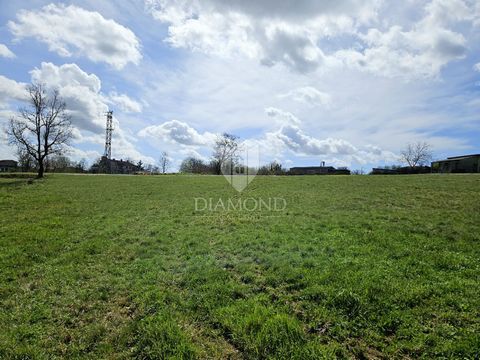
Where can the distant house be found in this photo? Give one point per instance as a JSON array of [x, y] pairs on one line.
[[318, 170], [112, 166], [458, 164], [8, 165]]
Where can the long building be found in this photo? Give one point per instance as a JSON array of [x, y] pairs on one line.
[[458, 164], [112, 166], [318, 170], [8, 165]]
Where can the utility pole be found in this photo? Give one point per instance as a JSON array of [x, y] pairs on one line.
[[108, 135]]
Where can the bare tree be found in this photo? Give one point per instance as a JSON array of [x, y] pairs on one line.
[[58, 163], [43, 128], [225, 151], [193, 165], [417, 154], [273, 168], [164, 162], [151, 169]]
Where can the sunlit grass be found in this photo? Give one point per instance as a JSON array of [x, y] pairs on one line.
[[355, 266]]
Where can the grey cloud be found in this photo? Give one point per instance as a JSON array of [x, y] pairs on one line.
[[293, 49], [450, 45], [296, 33], [297, 10], [271, 31]]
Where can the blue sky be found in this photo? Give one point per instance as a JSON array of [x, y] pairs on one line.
[[346, 82]]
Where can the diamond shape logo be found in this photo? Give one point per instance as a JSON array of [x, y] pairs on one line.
[[241, 169]]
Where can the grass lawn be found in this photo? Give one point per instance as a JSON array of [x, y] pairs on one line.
[[354, 267]]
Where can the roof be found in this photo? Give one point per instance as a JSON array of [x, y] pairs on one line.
[[120, 162], [8, 163], [455, 158], [462, 156], [313, 167]]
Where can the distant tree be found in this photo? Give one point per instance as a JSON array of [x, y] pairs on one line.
[[164, 162], [151, 169], [25, 161], [273, 168], [360, 171], [140, 165], [43, 128], [58, 162], [225, 151], [277, 168], [81, 165], [417, 154], [192, 165]]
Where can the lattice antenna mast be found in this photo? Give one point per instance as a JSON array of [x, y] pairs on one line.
[[108, 135]]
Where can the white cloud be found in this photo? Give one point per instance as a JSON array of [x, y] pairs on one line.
[[309, 95], [11, 90], [333, 150], [476, 67], [421, 51], [177, 132], [76, 154], [281, 116], [123, 146], [125, 103], [6, 52], [476, 14], [66, 75], [6, 151], [81, 92], [71, 30], [301, 143], [444, 12]]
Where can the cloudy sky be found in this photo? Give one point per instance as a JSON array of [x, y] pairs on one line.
[[348, 82]]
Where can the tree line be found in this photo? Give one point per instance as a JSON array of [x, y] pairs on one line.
[[225, 155], [193, 165]]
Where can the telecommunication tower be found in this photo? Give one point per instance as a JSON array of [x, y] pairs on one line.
[[108, 135]]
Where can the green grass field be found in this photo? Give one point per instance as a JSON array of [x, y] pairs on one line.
[[354, 267]]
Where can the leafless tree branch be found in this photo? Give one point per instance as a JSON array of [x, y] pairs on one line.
[[43, 128], [417, 154]]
